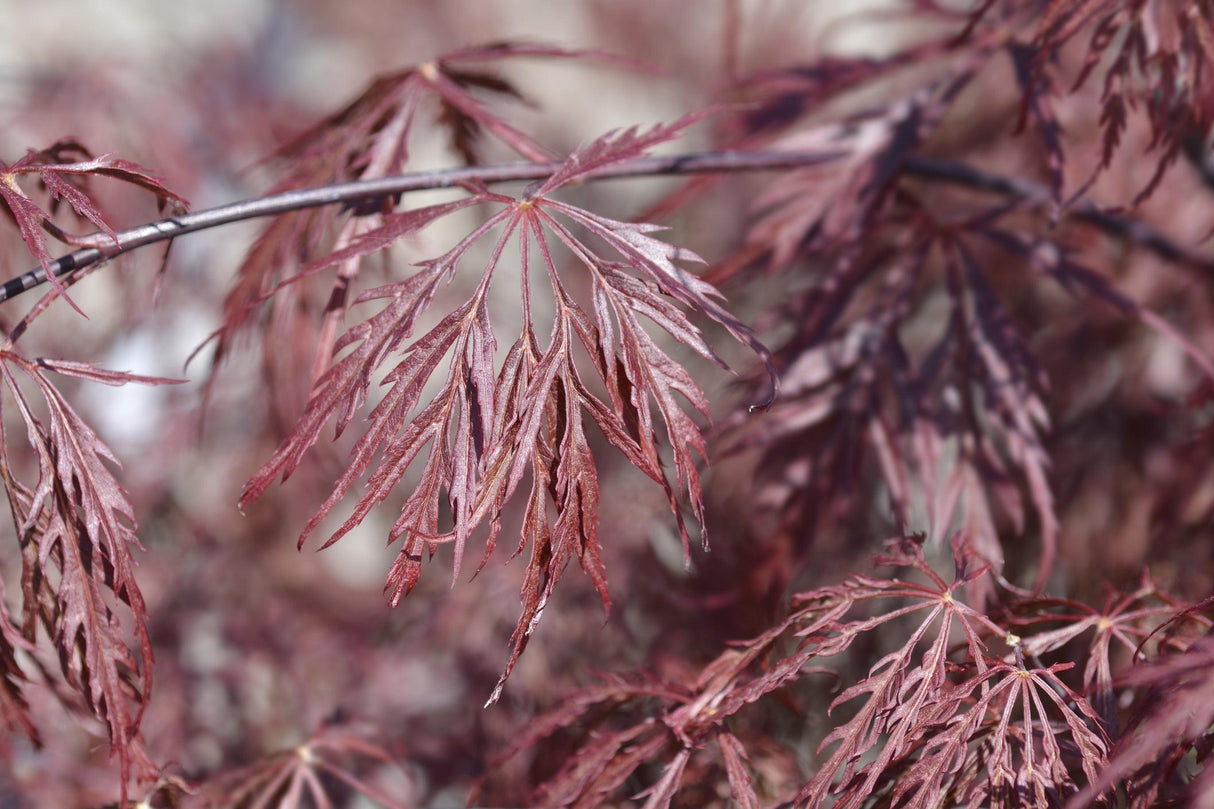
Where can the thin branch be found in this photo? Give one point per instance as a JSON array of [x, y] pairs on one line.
[[1083, 209], [104, 247]]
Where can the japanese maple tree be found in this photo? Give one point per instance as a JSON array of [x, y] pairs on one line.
[[938, 314]]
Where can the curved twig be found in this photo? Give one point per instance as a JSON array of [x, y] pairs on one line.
[[105, 248]]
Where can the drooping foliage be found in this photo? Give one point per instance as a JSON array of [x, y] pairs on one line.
[[977, 257]]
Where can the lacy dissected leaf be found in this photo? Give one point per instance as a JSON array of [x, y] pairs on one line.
[[369, 138], [1124, 623], [77, 529], [625, 725], [778, 100], [786, 95], [827, 208], [306, 775], [1011, 382], [60, 169], [14, 709], [1039, 108], [906, 695], [1173, 723], [951, 729], [937, 721], [946, 423], [831, 208], [492, 429], [1171, 43], [341, 140], [830, 378], [1023, 728], [741, 785]]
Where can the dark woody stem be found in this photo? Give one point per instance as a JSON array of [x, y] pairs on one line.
[[103, 248], [100, 247]]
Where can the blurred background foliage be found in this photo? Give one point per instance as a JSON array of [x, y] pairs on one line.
[[257, 644]]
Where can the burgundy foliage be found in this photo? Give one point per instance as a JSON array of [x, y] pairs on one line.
[[985, 284]]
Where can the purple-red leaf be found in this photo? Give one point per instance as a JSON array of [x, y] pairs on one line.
[[62, 179], [82, 526], [488, 427]]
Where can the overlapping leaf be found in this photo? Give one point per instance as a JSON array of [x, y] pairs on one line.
[[77, 530], [828, 208], [369, 138], [1024, 738], [1173, 724], [938, 720], [60, 169], [1122, 625], [626, 724], [946, 423], [905, 696], [1170, 42], [14, 709]]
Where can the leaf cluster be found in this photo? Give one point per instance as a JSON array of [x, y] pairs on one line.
[[944, 328]]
